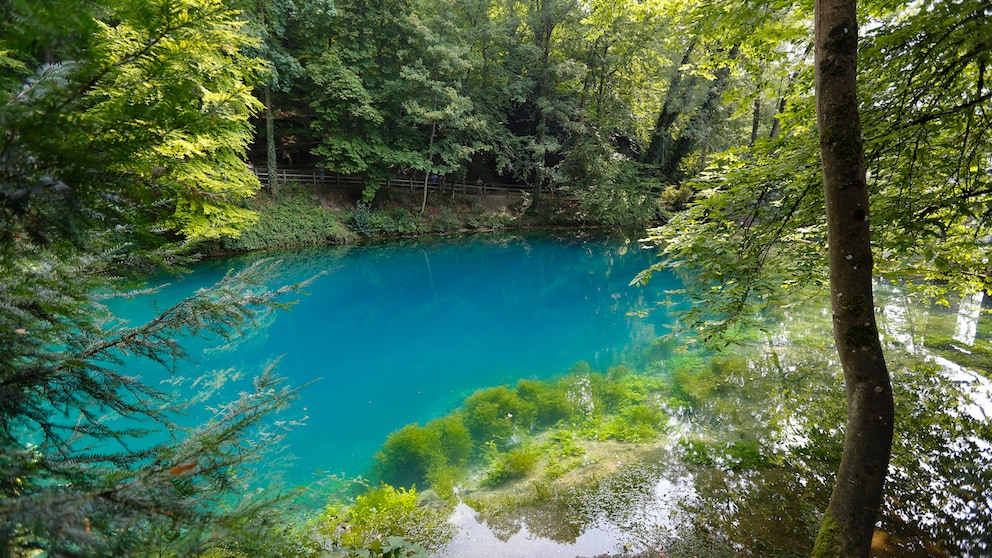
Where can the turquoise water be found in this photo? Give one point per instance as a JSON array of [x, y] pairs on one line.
[[402, 332]]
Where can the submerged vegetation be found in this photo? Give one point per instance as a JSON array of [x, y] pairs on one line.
[[513, 430], [695, 454]]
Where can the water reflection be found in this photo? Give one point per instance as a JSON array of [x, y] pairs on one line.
[[970, 309], [749, 462]]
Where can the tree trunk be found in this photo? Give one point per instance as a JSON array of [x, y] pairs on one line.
[[847, 525], [776, 123], [666, 152], [782, 102], [661, 137], [270, 143], [430, 170], [755, 118]]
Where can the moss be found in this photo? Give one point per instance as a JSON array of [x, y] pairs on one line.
[[859, 336], [637, 423], [562, 454], [413, 453], [552, 401], [512, 465], [828, 539], [494, 414]]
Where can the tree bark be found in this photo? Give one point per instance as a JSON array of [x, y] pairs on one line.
[[430, 169], [847, 525], [755, 119], [270, 143]]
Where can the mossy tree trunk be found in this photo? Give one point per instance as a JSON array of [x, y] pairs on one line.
[[847, 526]]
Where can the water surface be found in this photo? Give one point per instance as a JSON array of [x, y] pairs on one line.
[[402, 332]]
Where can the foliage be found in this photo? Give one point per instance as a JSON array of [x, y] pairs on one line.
[[74, 467], [357, 90], [143, 115], [676, 198], [392, 221], [361, 219], [754, 235], [745, 241], [384, 521], [488, 220], [927, 144], [622, 197], [126, 125], [294, 220]]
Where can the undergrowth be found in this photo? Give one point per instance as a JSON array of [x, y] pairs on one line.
[[295, 219]]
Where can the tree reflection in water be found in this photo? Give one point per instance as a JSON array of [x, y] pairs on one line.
[[748, 463]]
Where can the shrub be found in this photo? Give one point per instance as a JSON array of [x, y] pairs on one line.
[[676, 198], [297, 219], [361, 219], [384, 519]]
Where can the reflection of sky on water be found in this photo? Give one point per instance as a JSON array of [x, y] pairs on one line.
[[618, 519], [476, 540], [968, 313], [900, 323]]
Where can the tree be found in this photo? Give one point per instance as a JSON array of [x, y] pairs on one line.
[[288, 32], [929, 142], [125, 130], [755, 234], [359, 92], [269, 23], [847, 525], [437, 105], [146, 115]]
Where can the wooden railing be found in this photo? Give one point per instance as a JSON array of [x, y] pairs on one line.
[[316, 177]]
